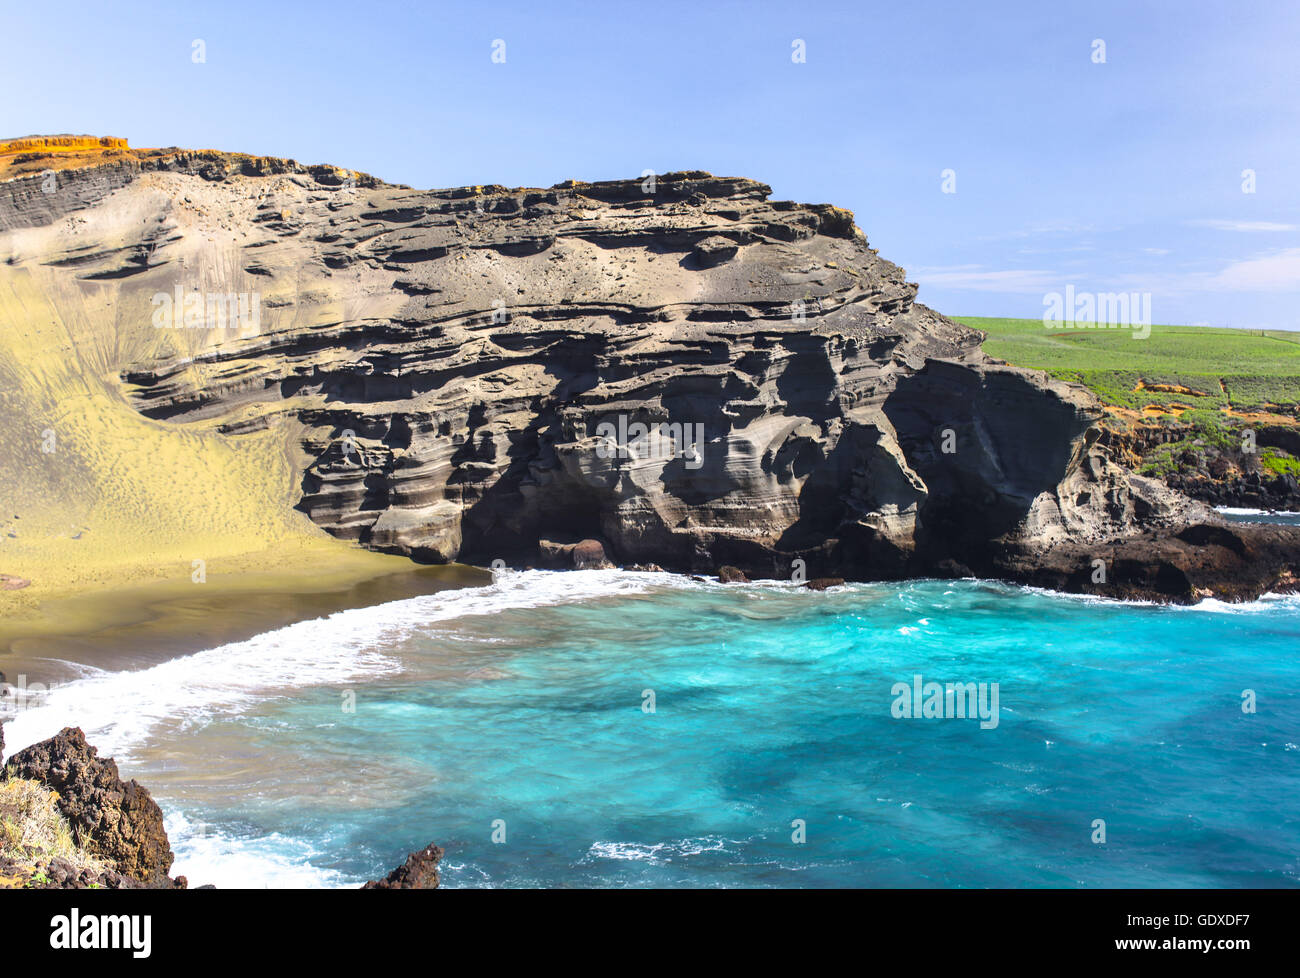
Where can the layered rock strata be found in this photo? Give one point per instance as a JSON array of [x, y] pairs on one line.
[[680, 369]]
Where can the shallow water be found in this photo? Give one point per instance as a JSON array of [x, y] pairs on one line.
[[522, 703]]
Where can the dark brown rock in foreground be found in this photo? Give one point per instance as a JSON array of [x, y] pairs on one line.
[[419, 872], [59, 874], [117, 821]]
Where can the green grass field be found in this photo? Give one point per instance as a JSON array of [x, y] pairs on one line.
[[1247, 370]]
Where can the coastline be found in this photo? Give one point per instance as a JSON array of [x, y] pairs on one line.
[[280, 748], [138, 623], [133, 623]]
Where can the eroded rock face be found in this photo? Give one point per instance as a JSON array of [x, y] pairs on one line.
[[117, 821], [687, 373]]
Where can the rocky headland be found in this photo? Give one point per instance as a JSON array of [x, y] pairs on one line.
[[1208, 463], [674, 371], [115, 838]]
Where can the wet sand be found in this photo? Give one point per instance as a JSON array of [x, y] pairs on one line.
[[138, 626]]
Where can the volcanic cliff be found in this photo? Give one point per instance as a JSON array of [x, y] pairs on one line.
[[469, 374]]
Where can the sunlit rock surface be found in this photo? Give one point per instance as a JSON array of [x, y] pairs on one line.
[[680, 368]]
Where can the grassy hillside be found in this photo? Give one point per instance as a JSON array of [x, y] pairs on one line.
[[1182, 396], [1175, 368]]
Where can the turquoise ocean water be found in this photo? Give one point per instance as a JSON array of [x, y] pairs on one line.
[[511, 725]]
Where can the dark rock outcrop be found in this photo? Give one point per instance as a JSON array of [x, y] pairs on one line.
[[583, 555], [1208, 460], [714, 251], [1229, 561], [823, 583], [419, 872], [59, 874], [115, 820], [1252, 490]]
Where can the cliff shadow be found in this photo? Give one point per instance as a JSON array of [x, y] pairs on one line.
[[987, 443]]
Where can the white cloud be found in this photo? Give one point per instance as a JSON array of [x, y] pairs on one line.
[[1275, 272], [1278, 272], [1220, 225], [1035, 230], [979, 279]]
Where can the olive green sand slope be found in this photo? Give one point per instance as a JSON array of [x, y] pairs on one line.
[[93, 495], [104, 512]]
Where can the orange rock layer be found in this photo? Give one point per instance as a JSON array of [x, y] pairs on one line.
[[60, 144], [32, 154]]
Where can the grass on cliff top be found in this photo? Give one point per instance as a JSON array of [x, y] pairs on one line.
[[32, 831], [1199, 366]]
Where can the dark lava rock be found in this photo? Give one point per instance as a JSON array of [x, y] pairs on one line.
[[59, 874], [1228, 561], [822, 583], [419, 872], [732, 575], [117, 821]]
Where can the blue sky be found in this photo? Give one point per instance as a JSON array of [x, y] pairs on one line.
[[1123, 175]]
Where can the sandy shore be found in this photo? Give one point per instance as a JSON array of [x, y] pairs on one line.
[[139, 624], [108, 513]]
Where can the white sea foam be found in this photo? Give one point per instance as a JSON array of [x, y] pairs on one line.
[[119, 710], [1265, 602], [657, 852], [1237, 511], [205, 855]]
